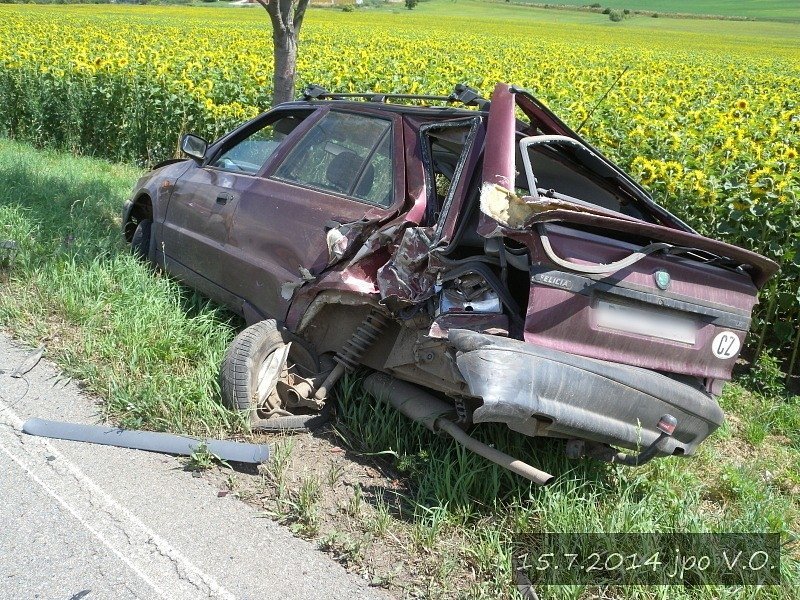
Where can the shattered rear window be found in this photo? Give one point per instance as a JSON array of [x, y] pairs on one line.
[[575, 174]]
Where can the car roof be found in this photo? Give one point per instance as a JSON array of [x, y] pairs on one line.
[[403, 109]]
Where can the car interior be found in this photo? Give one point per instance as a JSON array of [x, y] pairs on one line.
[[251, 154]]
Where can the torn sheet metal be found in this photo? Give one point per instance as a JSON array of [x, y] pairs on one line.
[[499, 203], [377, 241], [344, 239], [337, 244], [358, 274], [490, 324], [521, 212], [289, 287], [150, 441], [504, 206], [406, 279], [345, 242], [498, 199]]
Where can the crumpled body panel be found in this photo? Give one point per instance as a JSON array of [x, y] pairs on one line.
[[406, 279], [539, 391]]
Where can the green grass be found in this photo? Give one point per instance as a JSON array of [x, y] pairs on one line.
[[460, 500], [775, 10], [146, 345], [661, 33], [151, 350]]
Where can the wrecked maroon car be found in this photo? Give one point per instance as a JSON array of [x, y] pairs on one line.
[[488, 263]]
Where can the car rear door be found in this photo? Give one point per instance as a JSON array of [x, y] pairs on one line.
[[203, 203], [343, 168]]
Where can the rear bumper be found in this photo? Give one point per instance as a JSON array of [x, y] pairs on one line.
[[539, 391]]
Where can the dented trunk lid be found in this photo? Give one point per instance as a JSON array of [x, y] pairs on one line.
[[666, 312], [633, 285]]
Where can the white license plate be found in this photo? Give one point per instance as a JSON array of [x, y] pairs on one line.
[[643, 321]]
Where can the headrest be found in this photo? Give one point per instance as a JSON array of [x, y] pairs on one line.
[[343, 169]]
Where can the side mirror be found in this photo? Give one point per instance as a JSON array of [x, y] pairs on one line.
[[194, 146]]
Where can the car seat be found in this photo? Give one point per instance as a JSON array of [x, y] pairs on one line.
[[343, 170]]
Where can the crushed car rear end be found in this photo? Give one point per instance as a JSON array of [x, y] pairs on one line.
[[633, 321]]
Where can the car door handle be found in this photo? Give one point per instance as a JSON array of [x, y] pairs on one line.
[[223, 198]]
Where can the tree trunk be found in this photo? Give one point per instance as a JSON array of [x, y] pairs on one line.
[[287, 17], [285, 60]]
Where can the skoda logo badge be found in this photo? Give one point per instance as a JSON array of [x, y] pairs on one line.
[[662, 279]]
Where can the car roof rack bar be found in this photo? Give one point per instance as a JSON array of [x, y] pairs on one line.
[[462, 93]]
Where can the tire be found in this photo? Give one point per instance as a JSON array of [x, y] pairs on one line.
[[296, 423], [140, 242], [247, 354]]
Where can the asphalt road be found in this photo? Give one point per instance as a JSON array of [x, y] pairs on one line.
[[79, 521]]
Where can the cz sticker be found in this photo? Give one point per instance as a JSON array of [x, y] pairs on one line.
[[725, 345]]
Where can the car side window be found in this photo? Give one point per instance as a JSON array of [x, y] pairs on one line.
[[347, 154], [251, 154]]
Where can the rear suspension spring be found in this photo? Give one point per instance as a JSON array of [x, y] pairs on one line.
[[361, 340], [348, 358]]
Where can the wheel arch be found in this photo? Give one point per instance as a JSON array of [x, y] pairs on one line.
[[141, 208]]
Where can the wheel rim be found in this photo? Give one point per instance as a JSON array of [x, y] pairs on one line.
[[269, 372]]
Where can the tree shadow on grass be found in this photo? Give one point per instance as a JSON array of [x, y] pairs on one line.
[[66, 207], [74, 273]]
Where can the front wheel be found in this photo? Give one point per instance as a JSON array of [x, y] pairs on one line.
[[140, 242], [253, 365], [258, 359]]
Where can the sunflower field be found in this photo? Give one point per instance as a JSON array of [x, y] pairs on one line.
[[709, 122]]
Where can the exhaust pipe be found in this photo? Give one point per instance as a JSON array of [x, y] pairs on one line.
[[418, 405]]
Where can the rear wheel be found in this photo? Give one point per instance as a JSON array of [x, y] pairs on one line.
[[258, 359], [140, 242]]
